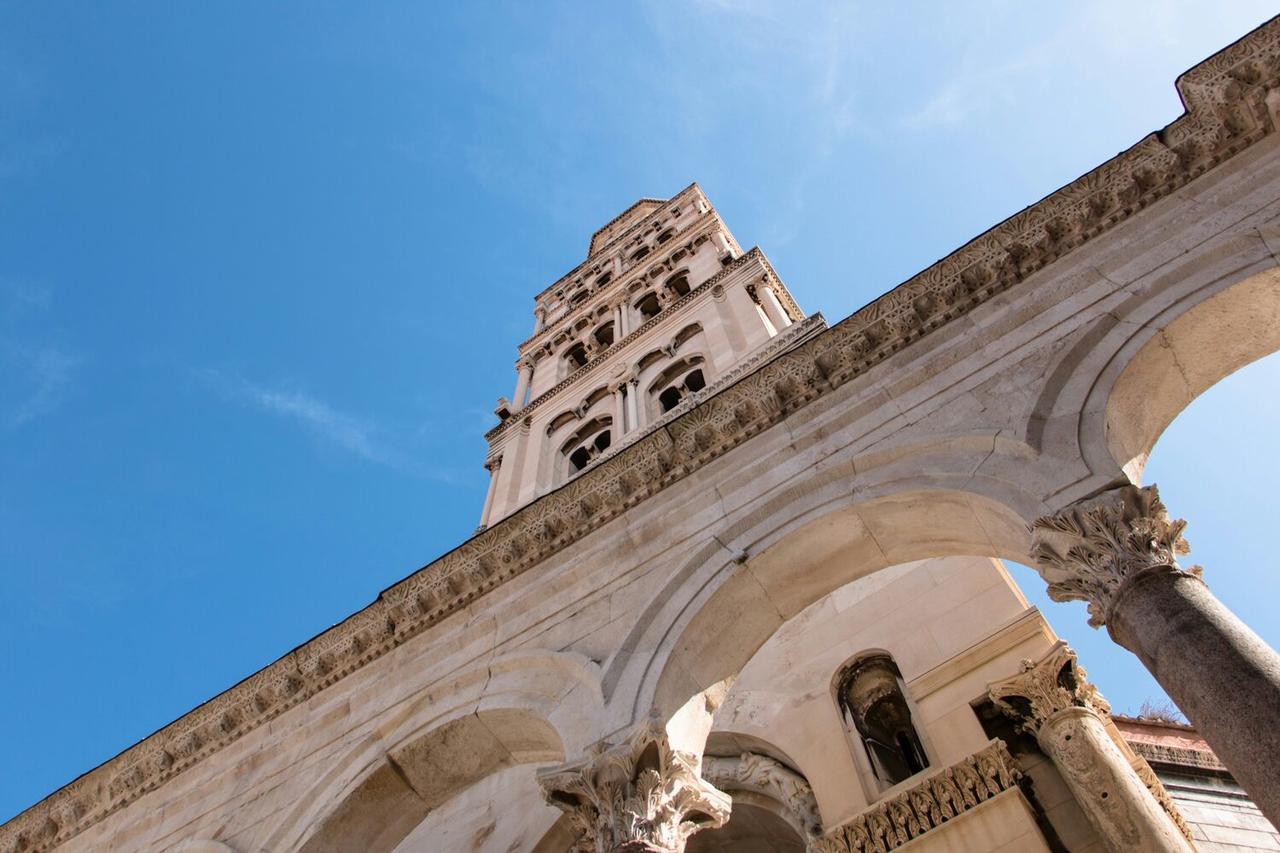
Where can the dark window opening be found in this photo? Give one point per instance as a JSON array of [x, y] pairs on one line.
[[694, 381], [604, 279], [870, 696], [592, 445], [579, 298], [669, 398], [649, 306], [679, 285], [604, 335], [577, 355], [640, 253], [665, 236]]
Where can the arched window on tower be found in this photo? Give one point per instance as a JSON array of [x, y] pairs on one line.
[[665, 236], [587, 445], [649, 306], [639, 254], [872, 702], [575, 356], [678, 284], [678, 382], [604, 336]]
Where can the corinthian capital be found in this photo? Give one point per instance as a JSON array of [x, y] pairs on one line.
[[636, 796], [1045, 687], [1088, 550]]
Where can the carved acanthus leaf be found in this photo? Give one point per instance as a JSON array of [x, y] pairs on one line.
[[761, 774], [1086, 551], [637, 795], [939, 798], [1045, 687]]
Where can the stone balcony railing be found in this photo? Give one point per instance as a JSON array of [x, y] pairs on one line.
[[926, 806]]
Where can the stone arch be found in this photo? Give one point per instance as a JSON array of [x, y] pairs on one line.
[[759, 774], [1110, 395], [735, 591], [1198, 349], [396, 787], [503, 714]]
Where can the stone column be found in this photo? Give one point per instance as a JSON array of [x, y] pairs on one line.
[[623, 320], [635, 406], [758, 304], [1117, 552], [539, 319], [492, 467], [1051, 700], [635, 796], [523, 378], [620, 411], [773, 307]]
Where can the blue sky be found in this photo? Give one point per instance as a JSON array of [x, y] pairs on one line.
[[263, 268]]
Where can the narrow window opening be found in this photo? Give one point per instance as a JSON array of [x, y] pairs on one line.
[[639, 254], [604, 335], [649, 306], [669, 398], [870, 696], [579, 458], [576, 355], [694, 381], [665, 236], [679, 285]]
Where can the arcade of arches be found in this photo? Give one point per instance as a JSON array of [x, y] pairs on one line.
[[773, 615]]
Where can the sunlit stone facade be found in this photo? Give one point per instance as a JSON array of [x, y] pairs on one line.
[[738, 579]]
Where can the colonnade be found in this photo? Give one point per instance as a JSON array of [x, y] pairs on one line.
[[1117, 551]]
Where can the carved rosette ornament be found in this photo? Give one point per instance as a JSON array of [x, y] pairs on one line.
[[637, 796], [1090, 549], [1046, 687]]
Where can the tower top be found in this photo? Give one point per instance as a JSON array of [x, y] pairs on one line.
[[623, 221], [665, 305]]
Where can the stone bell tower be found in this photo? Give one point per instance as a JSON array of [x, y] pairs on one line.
[[665, 308]]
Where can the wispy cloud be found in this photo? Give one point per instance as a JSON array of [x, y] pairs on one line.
[[42, 375], [345, 431], [35, 375], [363, 437]]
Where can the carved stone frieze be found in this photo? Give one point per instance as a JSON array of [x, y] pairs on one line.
[[1087, 551], [638, 795], [947, 794], [1046, 687], [763, 775], [1226, 112]]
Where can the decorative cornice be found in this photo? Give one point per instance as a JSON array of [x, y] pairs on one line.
[[929, 804], [1089, 550], [1225, 98], [637, 795], [761, 774], [1045, 688]]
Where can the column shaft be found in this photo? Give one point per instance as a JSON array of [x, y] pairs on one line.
[[1221, 674], [488, 497], [1117, 550], [635, 408], [773, 307], [1112, 796], [522, 386], [620, 412]]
